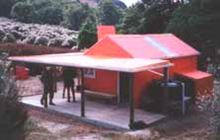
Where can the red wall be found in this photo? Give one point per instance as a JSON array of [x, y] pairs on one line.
[[183, 64], [141, 83], [104, 81]]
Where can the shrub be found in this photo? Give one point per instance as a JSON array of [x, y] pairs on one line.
[[22, 11], [26, 49], [12, 113]]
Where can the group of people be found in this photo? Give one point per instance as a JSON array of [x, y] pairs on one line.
[[49, 79]]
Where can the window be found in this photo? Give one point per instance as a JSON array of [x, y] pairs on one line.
[[89, 73]]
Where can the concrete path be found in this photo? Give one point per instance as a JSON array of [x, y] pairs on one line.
[[96, 113]]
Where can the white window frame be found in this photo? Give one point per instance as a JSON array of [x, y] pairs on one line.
[[89, 73]]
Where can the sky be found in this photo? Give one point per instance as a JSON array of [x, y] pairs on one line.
[[130, 2]]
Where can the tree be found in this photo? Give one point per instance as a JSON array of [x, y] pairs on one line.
[[198, 24], [132, 18], [87, 35], [77, 15], [108, 13], [22, 11], [155, 19], [148, 16]]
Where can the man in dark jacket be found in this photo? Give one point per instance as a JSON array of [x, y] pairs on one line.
[[48, 85], [68, 77]]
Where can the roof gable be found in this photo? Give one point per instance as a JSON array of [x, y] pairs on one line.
[[108, 48]]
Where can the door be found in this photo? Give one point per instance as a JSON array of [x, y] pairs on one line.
[[124, 88]]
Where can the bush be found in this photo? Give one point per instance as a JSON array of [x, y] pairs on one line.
[[22, 11], [26, 49], [12, 113]]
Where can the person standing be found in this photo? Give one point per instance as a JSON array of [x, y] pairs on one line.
[[48, 86], [68, 77]]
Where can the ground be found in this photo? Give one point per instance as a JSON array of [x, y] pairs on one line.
[[46, 126]]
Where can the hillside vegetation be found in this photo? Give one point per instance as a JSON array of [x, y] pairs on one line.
[[36, 34]]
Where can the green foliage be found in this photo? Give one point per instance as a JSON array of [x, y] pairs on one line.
[[148, 16], [49, 15], [198, 27], [41, 11], [87, 35], [6, 6], [12, 114], [155, 19], [22, 11], [108, 13], [40, 4], [132, 18], [76, 15]]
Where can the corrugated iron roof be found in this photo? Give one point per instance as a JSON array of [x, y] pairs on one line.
[[152, 46], [195, 75]]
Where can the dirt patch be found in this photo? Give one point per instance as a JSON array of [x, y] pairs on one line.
[[50, 127]]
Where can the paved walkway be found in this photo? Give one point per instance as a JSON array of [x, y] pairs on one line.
[[97, 113]]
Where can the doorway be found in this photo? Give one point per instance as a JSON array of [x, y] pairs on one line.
[[124, 88]]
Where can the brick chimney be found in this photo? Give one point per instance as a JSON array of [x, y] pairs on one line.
[[104, 30]]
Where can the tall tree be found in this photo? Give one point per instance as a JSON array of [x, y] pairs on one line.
[[77, 15], [132, 18], [87, 35], [108, 13]]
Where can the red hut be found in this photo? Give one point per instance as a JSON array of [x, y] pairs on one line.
[[123, 66], [150, 46]]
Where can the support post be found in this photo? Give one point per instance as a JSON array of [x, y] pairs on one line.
[[118, 88], [165, 93], [131, 100], [82, 94]]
